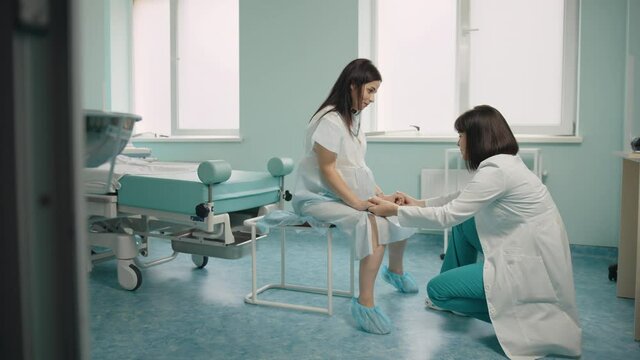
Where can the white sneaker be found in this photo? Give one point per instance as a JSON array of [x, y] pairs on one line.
[[430, 305]]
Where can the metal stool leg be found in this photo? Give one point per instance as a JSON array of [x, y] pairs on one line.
[[283, 268], [329, 274], [252, 298]]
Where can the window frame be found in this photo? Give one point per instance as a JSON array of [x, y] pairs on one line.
[[367, 47], [175, 130]]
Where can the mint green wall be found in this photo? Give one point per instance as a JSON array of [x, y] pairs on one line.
[[292, 50], [586, 183], [94, 57], [105, 58], [120, 55]]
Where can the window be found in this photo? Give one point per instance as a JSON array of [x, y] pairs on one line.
[[186, 66], [439, 58]]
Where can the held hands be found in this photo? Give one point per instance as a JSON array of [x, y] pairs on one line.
[[400, 198], [396, 198], [366, 205], [407, 200], [382, 207], [362, 205], [387, 205]]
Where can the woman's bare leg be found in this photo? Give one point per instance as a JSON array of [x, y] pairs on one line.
[[396, 254], [369, 267]]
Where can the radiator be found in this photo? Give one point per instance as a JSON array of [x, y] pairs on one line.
[[432, 181]]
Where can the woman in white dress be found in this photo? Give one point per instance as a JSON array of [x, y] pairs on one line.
[[334, 183], [524, 286]]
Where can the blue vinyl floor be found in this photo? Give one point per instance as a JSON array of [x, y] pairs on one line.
[[181, 312]]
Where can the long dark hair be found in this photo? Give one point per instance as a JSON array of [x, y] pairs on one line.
[[487, 134], [357, 73]]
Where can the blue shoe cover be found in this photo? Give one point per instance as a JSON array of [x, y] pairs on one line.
[[404, 283], [371, 320]]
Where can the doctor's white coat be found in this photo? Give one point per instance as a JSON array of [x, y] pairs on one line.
[[527, 274]]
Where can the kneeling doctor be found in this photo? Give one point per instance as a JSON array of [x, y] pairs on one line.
[[524, 287]]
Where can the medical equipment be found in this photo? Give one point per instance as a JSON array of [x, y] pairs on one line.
[[107, 133], [199, 207], [635, 144]]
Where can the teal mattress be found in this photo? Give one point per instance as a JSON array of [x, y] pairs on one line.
[[182, 192]]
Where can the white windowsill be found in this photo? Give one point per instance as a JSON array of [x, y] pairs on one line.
[[522, 139], [177, 139]]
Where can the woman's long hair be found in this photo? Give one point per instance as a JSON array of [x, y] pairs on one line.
[[487, 133], [357, 73]]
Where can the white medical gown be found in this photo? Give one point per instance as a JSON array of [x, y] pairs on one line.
[[313, 197]]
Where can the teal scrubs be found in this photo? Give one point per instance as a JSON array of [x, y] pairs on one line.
[[459, 287]]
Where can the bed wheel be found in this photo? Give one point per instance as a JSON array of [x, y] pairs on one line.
[[200, 261], [129, 276]]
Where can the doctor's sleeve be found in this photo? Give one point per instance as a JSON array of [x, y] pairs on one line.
[[485, 187], [441, 200]]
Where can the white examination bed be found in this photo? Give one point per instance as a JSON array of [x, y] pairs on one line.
[[199, 207]]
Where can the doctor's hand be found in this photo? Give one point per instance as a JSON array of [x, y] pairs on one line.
[[407, 200], [398, 198], [395, 198], [382, 207]]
